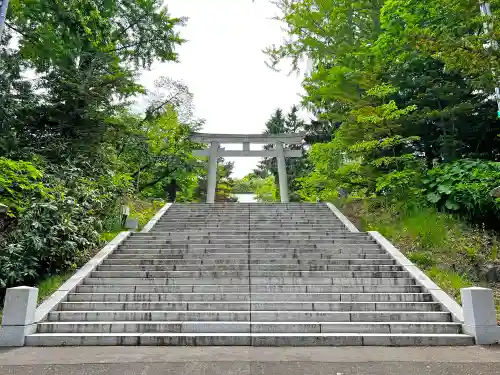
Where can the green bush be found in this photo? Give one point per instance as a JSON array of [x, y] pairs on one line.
[[50, 237], [56, 231], [20, 181], [463, 187]]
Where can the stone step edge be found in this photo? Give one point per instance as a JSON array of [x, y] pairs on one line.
[[391, 312], [254, 302], [250, 293], [215, 322], [249, 339], [223, 334]]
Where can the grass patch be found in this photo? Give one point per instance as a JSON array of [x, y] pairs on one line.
[[108, 236], [50, 285], [144, 210], [447, 249], [451, 282]]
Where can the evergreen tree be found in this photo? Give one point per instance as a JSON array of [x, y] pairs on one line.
[[296, 167]]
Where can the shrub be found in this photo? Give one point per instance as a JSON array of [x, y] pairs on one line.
[[51, 237], [58, 230], [463, 187], [20, 181]]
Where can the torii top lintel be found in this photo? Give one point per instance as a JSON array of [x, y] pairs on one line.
[[290, 139]]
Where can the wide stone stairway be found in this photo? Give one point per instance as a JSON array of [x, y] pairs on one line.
[[249, 274]]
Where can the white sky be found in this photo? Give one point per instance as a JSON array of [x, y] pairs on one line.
[[223, 65]]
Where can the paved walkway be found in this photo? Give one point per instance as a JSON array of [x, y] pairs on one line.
[[250, 361]]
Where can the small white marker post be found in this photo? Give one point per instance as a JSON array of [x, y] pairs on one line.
[[18, 315], [480, 318]]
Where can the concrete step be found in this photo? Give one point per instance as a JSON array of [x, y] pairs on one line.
[[246, 274], [163, 236], [249, 215], [245, 247], [251, 229], [245, 216], [112, 261], [246, 281], [248, 267], [255, 252], [327, 235], [249, 225], [256, 228], [240, 274], [276, 288], [247, 296], [254, 327], [254, 256], [298, 221], [255, 221], [253, 305], [245, 241], [253, 239], [215, 243], [246, 339], [264, 316]]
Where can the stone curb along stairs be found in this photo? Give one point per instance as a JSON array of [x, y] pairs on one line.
[[294, 274]]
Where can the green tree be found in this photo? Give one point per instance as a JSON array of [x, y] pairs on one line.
[[434, 110], [85, 55], [224, 184]]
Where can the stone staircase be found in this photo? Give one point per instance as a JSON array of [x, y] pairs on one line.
[[249, 274]]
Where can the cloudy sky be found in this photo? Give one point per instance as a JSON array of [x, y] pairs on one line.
[[223, 65]]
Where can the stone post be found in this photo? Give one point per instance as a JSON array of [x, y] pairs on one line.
[[479, 315], [212, 172], [18, 315], [282, 177]]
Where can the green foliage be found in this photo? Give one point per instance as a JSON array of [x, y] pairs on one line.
[[51, 236], [463, 187], [364, 158], [243, 186], [108, 236], [224, 183], [447, 249], [144, 211], [322, 182], [451, 282], [397, 95], [267, 191], [248, 184], [50, 285], [85, 55], [400, 184], [72, 148], [20, 181], [422, 259]]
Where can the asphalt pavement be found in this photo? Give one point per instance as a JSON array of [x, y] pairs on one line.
[[475, 360]]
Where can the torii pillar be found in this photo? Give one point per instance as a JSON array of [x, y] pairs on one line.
[[282, 177], [212, 171]]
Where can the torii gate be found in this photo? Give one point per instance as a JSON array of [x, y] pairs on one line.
[[245, 139]]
